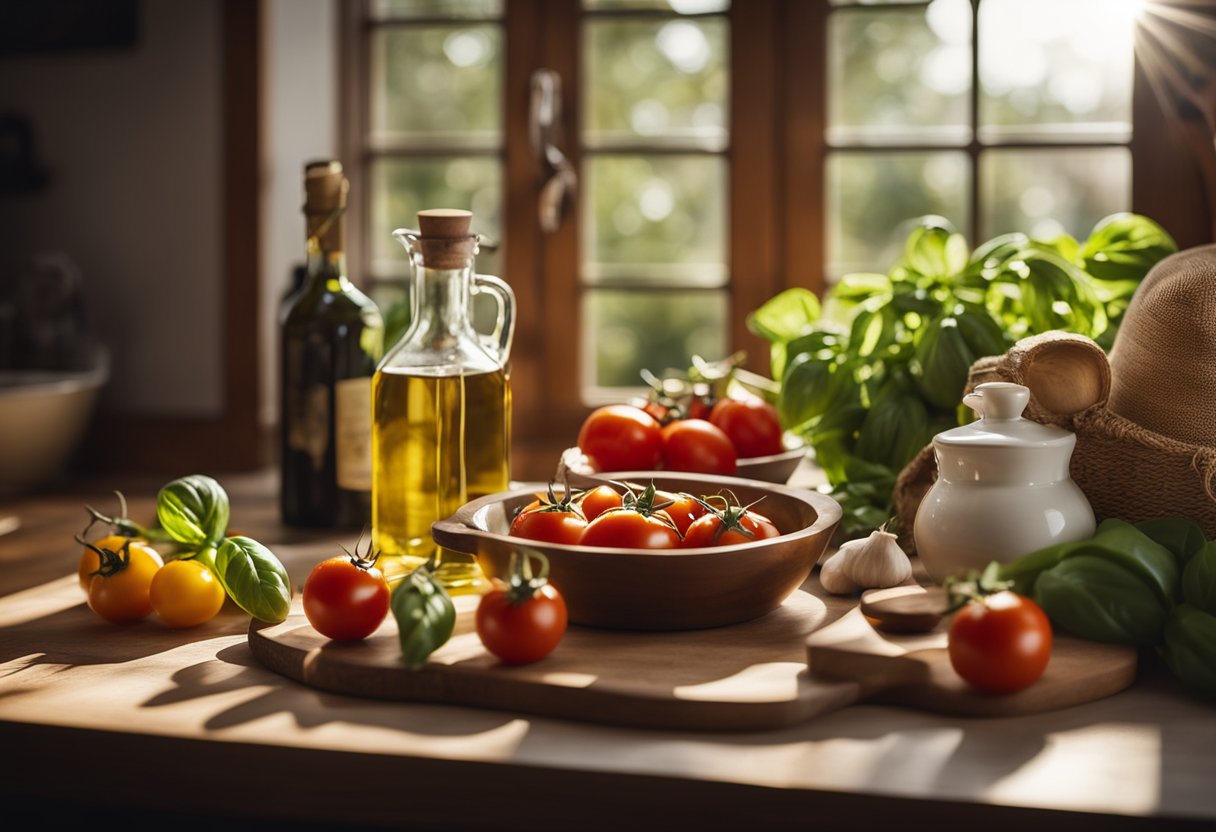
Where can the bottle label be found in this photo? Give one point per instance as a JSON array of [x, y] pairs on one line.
[[353, 433]]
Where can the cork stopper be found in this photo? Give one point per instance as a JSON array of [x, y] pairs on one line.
[[445, 238], [325, 189]]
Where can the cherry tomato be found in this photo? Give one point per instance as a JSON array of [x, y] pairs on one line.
[[598, 500], [122, 594], [89, 560], [621, 437], [625, 528], [728, 528], [683, 509], [185, 593], [1001, 643], [697, 446], [346, 597], [523, 631], [552, 525], [752, 426]]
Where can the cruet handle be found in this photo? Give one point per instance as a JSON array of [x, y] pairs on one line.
[[498, 340]]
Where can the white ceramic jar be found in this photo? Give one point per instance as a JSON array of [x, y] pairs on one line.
[[1003, 488]]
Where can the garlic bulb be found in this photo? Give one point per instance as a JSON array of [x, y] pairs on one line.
[[833, 578], [874, 562]]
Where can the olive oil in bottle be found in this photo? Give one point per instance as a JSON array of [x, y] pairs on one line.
[[441, 404], [332, 337]]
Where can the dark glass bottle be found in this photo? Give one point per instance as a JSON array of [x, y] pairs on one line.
[[332, 338]]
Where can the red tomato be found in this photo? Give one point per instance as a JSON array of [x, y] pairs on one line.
[[551, 524], [697, 446], [752, 425], [1001, 643], [621, 437], [728, 528], [682, 511], [598, 500], [521, 631], [623, 528], [344, 599]]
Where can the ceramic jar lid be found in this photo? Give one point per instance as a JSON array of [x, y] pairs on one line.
[[1000, 405]]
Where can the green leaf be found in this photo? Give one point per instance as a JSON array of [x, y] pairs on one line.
[[982, 333], [935, 250], [786, 316], [894, 431], [1190, 648], [1096, 599], [1181, 535], [1199, 579], [193, 510], [805, 390], [254, 578], [424, 613], [943, 361], [1125, 246]]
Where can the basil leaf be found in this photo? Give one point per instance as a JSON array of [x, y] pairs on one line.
[[254, 578], [1096, 599], [425, 616], [1190, 648], [786, 316], [1181, 535], [934, 249], [193, 510], [1125, 247], [1199, 579]]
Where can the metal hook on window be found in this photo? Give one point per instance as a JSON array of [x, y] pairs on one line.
[[544, 121]]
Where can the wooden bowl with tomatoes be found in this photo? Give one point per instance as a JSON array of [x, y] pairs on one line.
[[685, 588]]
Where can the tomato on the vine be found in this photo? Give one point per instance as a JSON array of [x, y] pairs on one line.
[[728, 526], [621, 437], [751, 424], [550, 520], [1000, 643], [697, 446], [522, 620], [90, 560], [185, 593], [119, 589], [683, 509], [595, 502], [346, 596], [637, 524]]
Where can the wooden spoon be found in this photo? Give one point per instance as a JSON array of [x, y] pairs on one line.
[[905, 609]]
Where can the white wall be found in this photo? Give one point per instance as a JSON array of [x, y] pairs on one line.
[[132, 140], [300, 123]]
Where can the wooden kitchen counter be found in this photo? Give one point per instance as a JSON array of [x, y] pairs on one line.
[[182, 722]]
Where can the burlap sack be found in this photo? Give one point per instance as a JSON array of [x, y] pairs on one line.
[[1145, 421]]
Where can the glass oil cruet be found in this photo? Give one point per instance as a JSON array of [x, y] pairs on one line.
[[441, 402]]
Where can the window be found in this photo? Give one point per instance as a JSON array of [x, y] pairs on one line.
[[726, 151]]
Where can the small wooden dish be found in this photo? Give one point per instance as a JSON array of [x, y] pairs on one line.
[[683, 589]]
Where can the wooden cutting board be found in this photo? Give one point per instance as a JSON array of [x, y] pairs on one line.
[[746, 677]]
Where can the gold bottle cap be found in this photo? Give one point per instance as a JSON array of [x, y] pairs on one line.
[[445, 238]]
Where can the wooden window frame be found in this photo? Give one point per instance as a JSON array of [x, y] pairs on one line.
[[776, 161]]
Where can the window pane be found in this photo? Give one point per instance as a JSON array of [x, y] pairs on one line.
[[626, 331], [677, 6], [390, 9], [403, 187], [1048, 67], [648, 218], [1049, 192], [900, 75], [437, 84], [872, 197], [656, 80]]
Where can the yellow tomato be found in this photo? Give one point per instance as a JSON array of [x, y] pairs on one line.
[[123, 595], [185, 594], [89, 561]]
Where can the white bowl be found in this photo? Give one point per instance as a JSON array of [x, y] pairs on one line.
[[43, 417]]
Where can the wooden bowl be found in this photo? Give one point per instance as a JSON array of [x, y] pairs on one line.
[[638, 589], [776, 468]]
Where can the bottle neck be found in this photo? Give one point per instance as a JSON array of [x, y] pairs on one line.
[[440, 300], [326, 267]]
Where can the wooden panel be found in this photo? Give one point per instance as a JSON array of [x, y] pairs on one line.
[[804, 39]]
